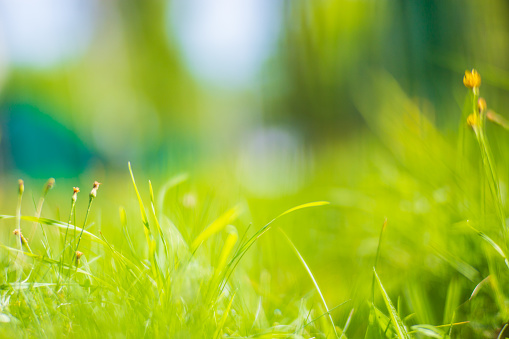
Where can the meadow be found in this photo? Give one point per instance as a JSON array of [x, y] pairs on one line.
[[401, 232]]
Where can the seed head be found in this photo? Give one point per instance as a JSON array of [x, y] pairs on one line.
[[21, 186], [76, 190], [17, 232], [49, 185], [78, 255], [472, 79], [93, 192]]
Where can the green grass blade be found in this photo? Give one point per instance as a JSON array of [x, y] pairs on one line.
[[158, 226], [216, 226], [313, 279], [140, 202], [492, 243], [396, 320], [55, 223], [265, 228], [502, 332], [175, 181], [245, 247], [428, 330], [219, 328]]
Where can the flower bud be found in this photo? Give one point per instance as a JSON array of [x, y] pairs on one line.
[[472, 79], [473, 120], [481, 105], [78, 256], [17, 232], [49, 185], [76, 190], [21, 187], [93, 192]]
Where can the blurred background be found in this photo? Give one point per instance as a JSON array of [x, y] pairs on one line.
[[173, 85]]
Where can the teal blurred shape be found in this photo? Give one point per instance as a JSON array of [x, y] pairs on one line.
[[35, 144]]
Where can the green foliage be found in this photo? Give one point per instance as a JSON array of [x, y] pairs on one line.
[[186, 262]]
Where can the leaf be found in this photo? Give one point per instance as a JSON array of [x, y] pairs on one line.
[[401, 331], [493, 244], [429, 331], [314, 282], [140, 202], [243, 249], [56, 223], [219, 328], [216, 226]]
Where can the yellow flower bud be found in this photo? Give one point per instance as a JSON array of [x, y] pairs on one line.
[[473, 120], [472, 79], [21, 186], [481, 105], [78, 257]]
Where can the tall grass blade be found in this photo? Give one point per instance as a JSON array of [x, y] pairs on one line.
[[493, 244], [502, 332], [245, 247], [216, 226], [55, 223], [148, 235], [219, 328], [314, 281], [401, 331]]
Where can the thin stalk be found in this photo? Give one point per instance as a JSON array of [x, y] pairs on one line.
[[38, 211], [18, 210], [19, 272], [488, 165], [84, 222], [376, 259], [62, 256]]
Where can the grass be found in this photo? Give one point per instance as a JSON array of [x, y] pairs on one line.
[[193, 259]]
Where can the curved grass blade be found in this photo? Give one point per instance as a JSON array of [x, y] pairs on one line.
[[55, 223], [314, 282], [396, 320], [493, 244], [140, 202], [243, 249], [148, 235], [429, 331], [223, 318], [321, 315], [158, 226], [175, 181], [265, 228], [502, 332], [216, 226], [65, 266]]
